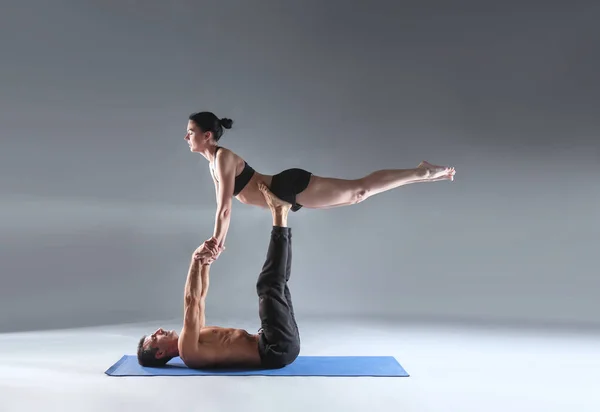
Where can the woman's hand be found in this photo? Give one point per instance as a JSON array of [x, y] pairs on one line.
[[208, 251]]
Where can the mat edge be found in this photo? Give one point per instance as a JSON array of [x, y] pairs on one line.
[[115, 366]]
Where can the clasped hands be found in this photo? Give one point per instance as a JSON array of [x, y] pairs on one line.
[[208, 251]]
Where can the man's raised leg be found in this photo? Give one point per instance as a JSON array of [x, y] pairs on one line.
[[279, 343], [279, 210], [286, 289]]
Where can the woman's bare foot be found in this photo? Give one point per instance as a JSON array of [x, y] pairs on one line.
[[273, 201], [437, 173]]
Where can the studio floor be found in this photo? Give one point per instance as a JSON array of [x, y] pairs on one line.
[[452, 369]]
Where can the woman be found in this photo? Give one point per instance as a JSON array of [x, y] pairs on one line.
[[233, 177]]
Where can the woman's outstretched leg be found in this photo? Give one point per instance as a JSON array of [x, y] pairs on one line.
[[327, 192]]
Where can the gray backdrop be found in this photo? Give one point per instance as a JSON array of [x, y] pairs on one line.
[[102, 203]]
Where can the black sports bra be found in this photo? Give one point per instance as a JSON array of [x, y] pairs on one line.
[[243, 178]]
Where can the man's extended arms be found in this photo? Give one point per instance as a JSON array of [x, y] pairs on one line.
[[196, 289]]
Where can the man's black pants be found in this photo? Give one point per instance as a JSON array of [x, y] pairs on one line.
[[279, 343]]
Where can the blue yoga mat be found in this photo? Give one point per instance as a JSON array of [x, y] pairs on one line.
[[385, 366]]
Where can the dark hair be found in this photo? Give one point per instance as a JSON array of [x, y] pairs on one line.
[[209, 122], [147, 357]]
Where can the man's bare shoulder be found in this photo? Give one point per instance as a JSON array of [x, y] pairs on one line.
[[198, 350], [188, 346]]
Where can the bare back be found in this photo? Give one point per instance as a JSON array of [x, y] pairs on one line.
[[224, 347]]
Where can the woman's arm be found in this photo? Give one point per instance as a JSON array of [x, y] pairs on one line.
[[216, 184], [225, 174]]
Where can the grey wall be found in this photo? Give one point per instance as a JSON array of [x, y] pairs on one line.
[[102, 204]]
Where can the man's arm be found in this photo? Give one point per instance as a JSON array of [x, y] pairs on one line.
[[196, 288]]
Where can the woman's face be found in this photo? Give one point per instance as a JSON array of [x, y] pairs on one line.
[[197, 140]]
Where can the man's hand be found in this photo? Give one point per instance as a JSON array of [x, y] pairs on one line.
[[208, 251]]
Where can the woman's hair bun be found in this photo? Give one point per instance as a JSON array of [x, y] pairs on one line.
[[226, 123]]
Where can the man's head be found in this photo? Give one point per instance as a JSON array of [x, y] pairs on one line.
[[158, 348]]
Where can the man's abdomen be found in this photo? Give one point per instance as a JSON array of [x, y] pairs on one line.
[[232, 347]]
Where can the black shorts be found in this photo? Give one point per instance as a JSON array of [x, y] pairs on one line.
[[287, 184]]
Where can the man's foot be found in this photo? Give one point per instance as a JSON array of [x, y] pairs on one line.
[[273, 201], [437, 173]]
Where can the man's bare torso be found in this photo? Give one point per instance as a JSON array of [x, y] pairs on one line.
[[223, 347]]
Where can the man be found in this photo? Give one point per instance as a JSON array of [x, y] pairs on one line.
[[199, 346]]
